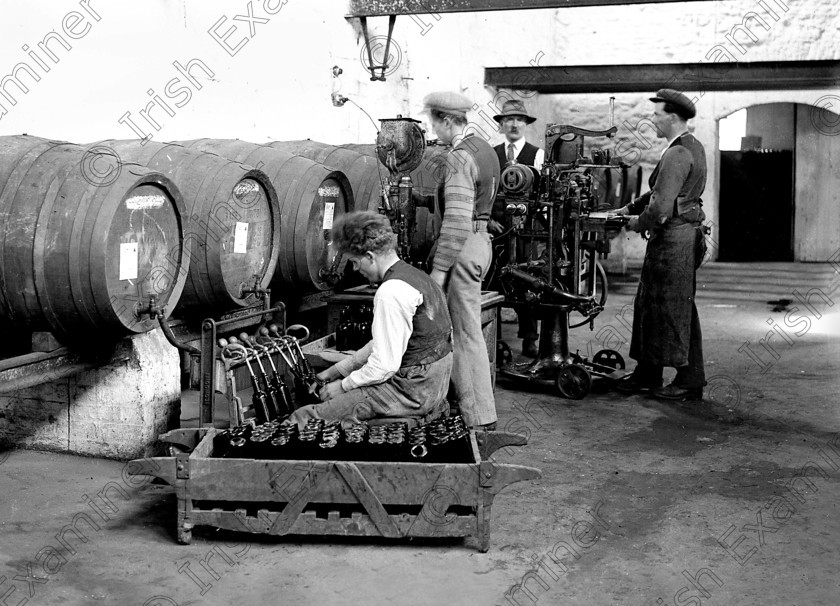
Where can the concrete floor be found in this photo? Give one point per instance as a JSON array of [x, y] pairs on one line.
[[646, 494]]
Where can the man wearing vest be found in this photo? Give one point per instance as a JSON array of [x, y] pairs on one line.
[[666, 327], [462, 257], [404, 370], [512, 122]]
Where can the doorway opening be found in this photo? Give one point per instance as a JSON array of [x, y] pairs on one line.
[[758, 183]]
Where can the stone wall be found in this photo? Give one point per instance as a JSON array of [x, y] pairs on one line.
[[116, 410]]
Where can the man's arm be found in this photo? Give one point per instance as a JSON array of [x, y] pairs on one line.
[[457, 223], [636, 206], [657, 206], [393, 314], [344, 367]]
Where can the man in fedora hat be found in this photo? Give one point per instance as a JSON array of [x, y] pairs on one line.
[[512, 122], [462, 255], [666, 327]]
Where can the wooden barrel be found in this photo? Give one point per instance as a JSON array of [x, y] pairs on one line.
[[233, 226], [84, 248], [362, 168], [309, 196]]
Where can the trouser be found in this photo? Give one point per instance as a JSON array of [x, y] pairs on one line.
[[527, 318], [413, 392], [527, 250], [472, 387]]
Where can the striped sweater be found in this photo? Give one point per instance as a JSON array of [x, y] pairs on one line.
[[472, 177]]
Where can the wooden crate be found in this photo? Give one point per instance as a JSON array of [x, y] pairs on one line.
[[361, 498]]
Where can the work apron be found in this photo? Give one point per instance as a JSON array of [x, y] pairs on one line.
[[664, 307]]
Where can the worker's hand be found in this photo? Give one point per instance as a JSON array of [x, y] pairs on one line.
[[330, 390], [325, 376], [494, 227], [439, 276], [623, 211], [633, 223]]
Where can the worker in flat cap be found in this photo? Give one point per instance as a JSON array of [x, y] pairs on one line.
[[462, 255], [666, 327], [512, 121]]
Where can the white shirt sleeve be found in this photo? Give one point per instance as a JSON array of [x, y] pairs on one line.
[[539, 160], [394, 305]]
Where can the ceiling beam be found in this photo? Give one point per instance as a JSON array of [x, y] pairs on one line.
[[691, 77], [379, 8]]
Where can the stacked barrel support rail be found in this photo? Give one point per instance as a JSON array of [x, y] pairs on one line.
[[563, 217]]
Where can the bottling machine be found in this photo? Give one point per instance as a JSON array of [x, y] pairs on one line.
[[561, 219]]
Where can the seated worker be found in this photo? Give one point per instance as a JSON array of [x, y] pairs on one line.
[[404, 370]]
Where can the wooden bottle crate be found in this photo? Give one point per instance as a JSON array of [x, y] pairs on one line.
[[332, 497]]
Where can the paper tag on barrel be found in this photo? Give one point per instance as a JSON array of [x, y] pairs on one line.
[[240, 237], [129, 261], [329, 207]]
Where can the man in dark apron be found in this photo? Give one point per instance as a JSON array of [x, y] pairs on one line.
[[666, 327]]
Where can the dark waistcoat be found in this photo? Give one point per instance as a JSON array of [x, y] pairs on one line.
[[431, 327]]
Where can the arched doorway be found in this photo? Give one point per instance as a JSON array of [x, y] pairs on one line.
[[778, 185], [757, 179]]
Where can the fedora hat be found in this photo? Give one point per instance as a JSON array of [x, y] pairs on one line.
[[514, 107]]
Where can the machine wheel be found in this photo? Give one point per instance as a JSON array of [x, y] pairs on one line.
[[610, 358], [504, 356], [573, 381]]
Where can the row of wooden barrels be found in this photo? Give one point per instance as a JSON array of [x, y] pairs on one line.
[[91, 234]]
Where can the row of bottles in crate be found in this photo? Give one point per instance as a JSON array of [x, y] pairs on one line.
[[354, 327], [444, 440]]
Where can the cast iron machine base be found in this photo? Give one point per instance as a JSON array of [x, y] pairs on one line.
[[556, 367]]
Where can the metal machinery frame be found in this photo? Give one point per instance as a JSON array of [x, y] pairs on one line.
[[563, 215], [215, 368], [400, 145], [227, 350]]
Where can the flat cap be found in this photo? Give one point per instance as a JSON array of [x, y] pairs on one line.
[[449, 102], [669, 95]]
